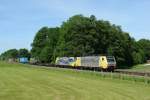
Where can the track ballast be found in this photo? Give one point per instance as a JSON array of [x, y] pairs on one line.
[[95, 69]]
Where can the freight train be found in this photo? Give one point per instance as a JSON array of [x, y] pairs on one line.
[[107, 63]]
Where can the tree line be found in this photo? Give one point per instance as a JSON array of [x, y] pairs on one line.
[[82, 36], [14, 54]]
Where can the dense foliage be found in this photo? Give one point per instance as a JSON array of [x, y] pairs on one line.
[[44, 44], [23, 53], [144, 46], [14, 54], [81, 36]]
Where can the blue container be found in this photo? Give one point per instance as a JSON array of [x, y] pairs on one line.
[[23, 60]]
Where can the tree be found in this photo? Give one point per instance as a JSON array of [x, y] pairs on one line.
[[77, 36], [144, 45], [137, 58], [24, 53], [12, 53], [45, 55], [39, 42], [81, 36], [44, 44]]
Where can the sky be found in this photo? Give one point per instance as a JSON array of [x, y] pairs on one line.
[[21, 19]]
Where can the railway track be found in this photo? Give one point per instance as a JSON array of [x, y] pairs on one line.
[[96, 69], [70, 67]]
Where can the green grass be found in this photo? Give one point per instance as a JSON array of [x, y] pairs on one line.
[[140, 68], [26, 82]]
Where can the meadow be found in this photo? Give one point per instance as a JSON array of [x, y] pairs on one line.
[[141, 68], [28, 82]]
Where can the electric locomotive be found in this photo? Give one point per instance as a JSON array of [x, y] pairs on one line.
[[107, 63]]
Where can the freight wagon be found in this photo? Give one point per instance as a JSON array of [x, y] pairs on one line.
[[23, 60]]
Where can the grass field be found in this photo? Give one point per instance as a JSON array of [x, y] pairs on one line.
[[140, 68], [26, 82]]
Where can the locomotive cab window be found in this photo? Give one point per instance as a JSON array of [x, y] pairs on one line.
[[110, 60]]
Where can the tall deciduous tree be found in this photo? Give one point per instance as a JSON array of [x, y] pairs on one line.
[[80, 36], [12, 53], [24, 53], [144, 44], [44, 44]]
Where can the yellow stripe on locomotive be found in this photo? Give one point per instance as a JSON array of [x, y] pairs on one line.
[[103, 62]]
